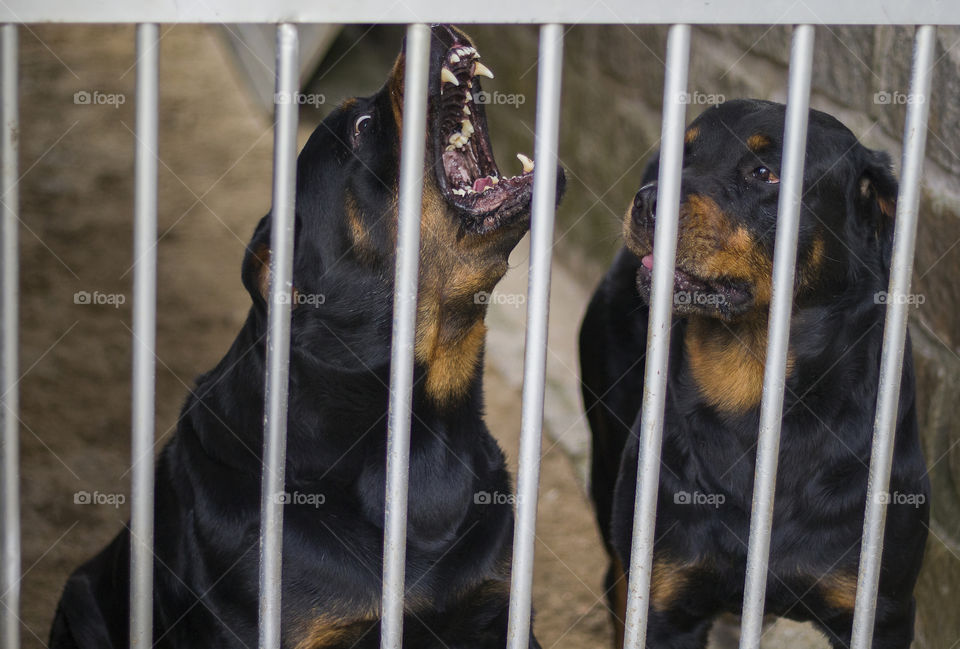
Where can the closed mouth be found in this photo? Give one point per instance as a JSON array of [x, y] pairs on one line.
[[722, 298]]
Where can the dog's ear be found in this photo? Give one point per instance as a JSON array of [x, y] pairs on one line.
[[875, 198], [255, 272]]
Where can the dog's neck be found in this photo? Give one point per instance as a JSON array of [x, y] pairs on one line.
[[726, 360]]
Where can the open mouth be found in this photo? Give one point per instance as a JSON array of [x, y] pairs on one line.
[[466, 170], [720, 298]]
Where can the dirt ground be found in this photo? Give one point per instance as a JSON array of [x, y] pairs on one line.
[[77, 196]]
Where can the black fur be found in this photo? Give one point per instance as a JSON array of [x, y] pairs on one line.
[[835, 342], [208, 476]]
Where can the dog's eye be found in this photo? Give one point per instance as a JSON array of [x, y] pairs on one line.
[[361, 124], [765, 175]]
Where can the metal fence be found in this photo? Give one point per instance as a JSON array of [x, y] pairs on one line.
[[285, 13]]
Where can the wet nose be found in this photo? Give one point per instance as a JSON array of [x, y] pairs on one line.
[[645, 205]]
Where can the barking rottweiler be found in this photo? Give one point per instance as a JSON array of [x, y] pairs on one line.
[[722, 286], [208, 476]]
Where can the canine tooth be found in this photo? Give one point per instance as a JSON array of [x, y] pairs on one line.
[[466, 109], [526, 162], [448, 76], [480, 70], [454, 58]]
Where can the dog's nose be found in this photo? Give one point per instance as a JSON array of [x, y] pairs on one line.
[[645, 205]]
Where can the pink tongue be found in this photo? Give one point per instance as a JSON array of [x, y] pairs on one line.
[[647, 261], [480, 183]]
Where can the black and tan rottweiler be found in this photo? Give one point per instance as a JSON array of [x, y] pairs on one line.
[[208, 476], [722, 286]]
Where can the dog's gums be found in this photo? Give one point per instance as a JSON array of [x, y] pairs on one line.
[[467, 172]]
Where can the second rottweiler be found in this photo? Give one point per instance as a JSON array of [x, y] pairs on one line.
[[722, 286], [208, 476]]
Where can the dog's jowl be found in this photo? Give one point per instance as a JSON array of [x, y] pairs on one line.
[[208, 476], [722, 286]]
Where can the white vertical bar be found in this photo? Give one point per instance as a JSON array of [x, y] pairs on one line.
[[658, 335], [543, 211], [9, 395], [412, 151], [778, 333], [144, 339], [894, 336], [278, 333]]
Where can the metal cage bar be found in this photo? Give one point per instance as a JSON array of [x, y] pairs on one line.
[[778, 333], [144, 338], [894, 337], [412, 153], [701, 12], [658, 336], [278, 333], [543, 212], [9, 323]]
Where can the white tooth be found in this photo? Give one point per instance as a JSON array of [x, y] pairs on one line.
[[487, 188], [454, 58], [449, 77], [459, 192], [466, 127], [480, 70], [526, 162], [453, 139], [469, 97], [466, 109], [494, 179]]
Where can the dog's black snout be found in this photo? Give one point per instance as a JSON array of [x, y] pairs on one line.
[[645, 205]]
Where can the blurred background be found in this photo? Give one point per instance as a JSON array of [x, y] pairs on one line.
[[77, 140]]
